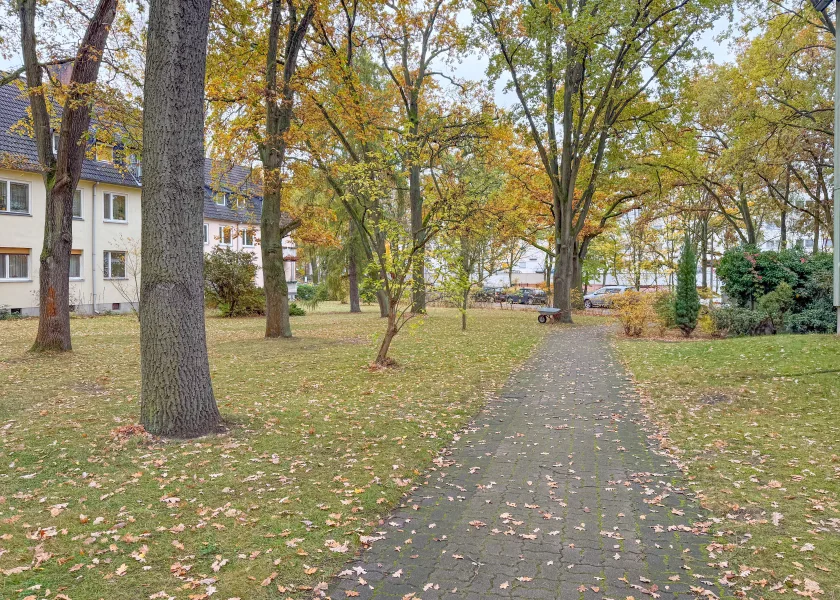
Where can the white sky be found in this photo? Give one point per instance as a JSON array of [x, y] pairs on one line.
[[473, 66]]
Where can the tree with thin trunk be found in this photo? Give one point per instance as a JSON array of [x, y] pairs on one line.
[[279, 103], [176, 395], [61, 172]]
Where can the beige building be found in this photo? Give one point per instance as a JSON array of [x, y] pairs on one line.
[[105, 260]]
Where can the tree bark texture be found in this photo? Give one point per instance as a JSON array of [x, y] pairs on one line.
[[353, 273], [279, 100], [176, 392], [61, 173]]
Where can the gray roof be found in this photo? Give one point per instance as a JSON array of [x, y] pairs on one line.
[[18, 149], [243, 187]]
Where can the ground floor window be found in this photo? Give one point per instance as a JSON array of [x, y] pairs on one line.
[[114, 264], [75, 264], [247, 237], [225, 236], [14, 263]]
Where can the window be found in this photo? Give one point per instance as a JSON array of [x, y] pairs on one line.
[[104, 152], [224, 236], [55, 139], [114, 207], [14, 197], [14, 264], [114, 262], [77, 204], [206, 233], [247, 237], [75, 264], [221, 198]]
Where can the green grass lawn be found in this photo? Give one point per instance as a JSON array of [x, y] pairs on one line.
[[319, 449], [756, 422]]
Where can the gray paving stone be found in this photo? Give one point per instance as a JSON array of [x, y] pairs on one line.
[[565, 473]]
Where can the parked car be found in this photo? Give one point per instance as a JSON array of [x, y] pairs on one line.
[[527, 296], [603, 297], [488, 294]]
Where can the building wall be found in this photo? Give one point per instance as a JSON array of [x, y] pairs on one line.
[[213, 238], [92, 236]]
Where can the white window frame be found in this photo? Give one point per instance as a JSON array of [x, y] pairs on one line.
[[106, 264], [223, 196], [56, 138], [81, 267], [5, 258], [222, 241], [244, 234], [8, 183], [109, 197], [206, 234], [81, 215]]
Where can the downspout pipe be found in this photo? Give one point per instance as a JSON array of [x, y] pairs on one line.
[[93, 248]]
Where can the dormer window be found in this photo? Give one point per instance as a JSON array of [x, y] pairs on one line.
[[104, 152], [222, 198]]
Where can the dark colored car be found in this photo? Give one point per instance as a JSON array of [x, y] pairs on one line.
[[487, 294], [527, 296]]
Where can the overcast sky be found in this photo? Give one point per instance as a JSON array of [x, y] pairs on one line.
[[473, 66]]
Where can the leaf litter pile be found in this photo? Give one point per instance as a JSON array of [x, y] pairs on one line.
[[755, 424], [318, 450]]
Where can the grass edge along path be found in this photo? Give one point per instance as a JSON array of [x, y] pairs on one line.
[[754, 424], [319, 449]]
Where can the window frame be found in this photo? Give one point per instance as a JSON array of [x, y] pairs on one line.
[[206, 234], [109, 197], [222, 241], [4, 259], [8, 184], [106, 265], [244, 234], [81, 266], [81, 215], [224, 197]]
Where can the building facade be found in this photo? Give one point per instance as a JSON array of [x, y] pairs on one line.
[[105, 257]]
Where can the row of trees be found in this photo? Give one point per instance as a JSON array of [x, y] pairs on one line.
[[376, 154]]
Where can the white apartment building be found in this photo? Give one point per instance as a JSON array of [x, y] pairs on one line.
[[104, 265]]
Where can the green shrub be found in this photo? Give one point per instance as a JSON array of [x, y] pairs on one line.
[[296, 311], [737, 321], [663, 309], [776, 304], [748, 275], [229, 279], [687, 300]]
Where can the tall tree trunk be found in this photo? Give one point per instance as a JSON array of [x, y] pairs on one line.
[[61, 174], [176, 393], [816, 247], [783, 229], [384, 304], [279, 101], [704, 249], [418, 232], [353, 271]]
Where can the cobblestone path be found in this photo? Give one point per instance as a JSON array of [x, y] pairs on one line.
[[553, 492]]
